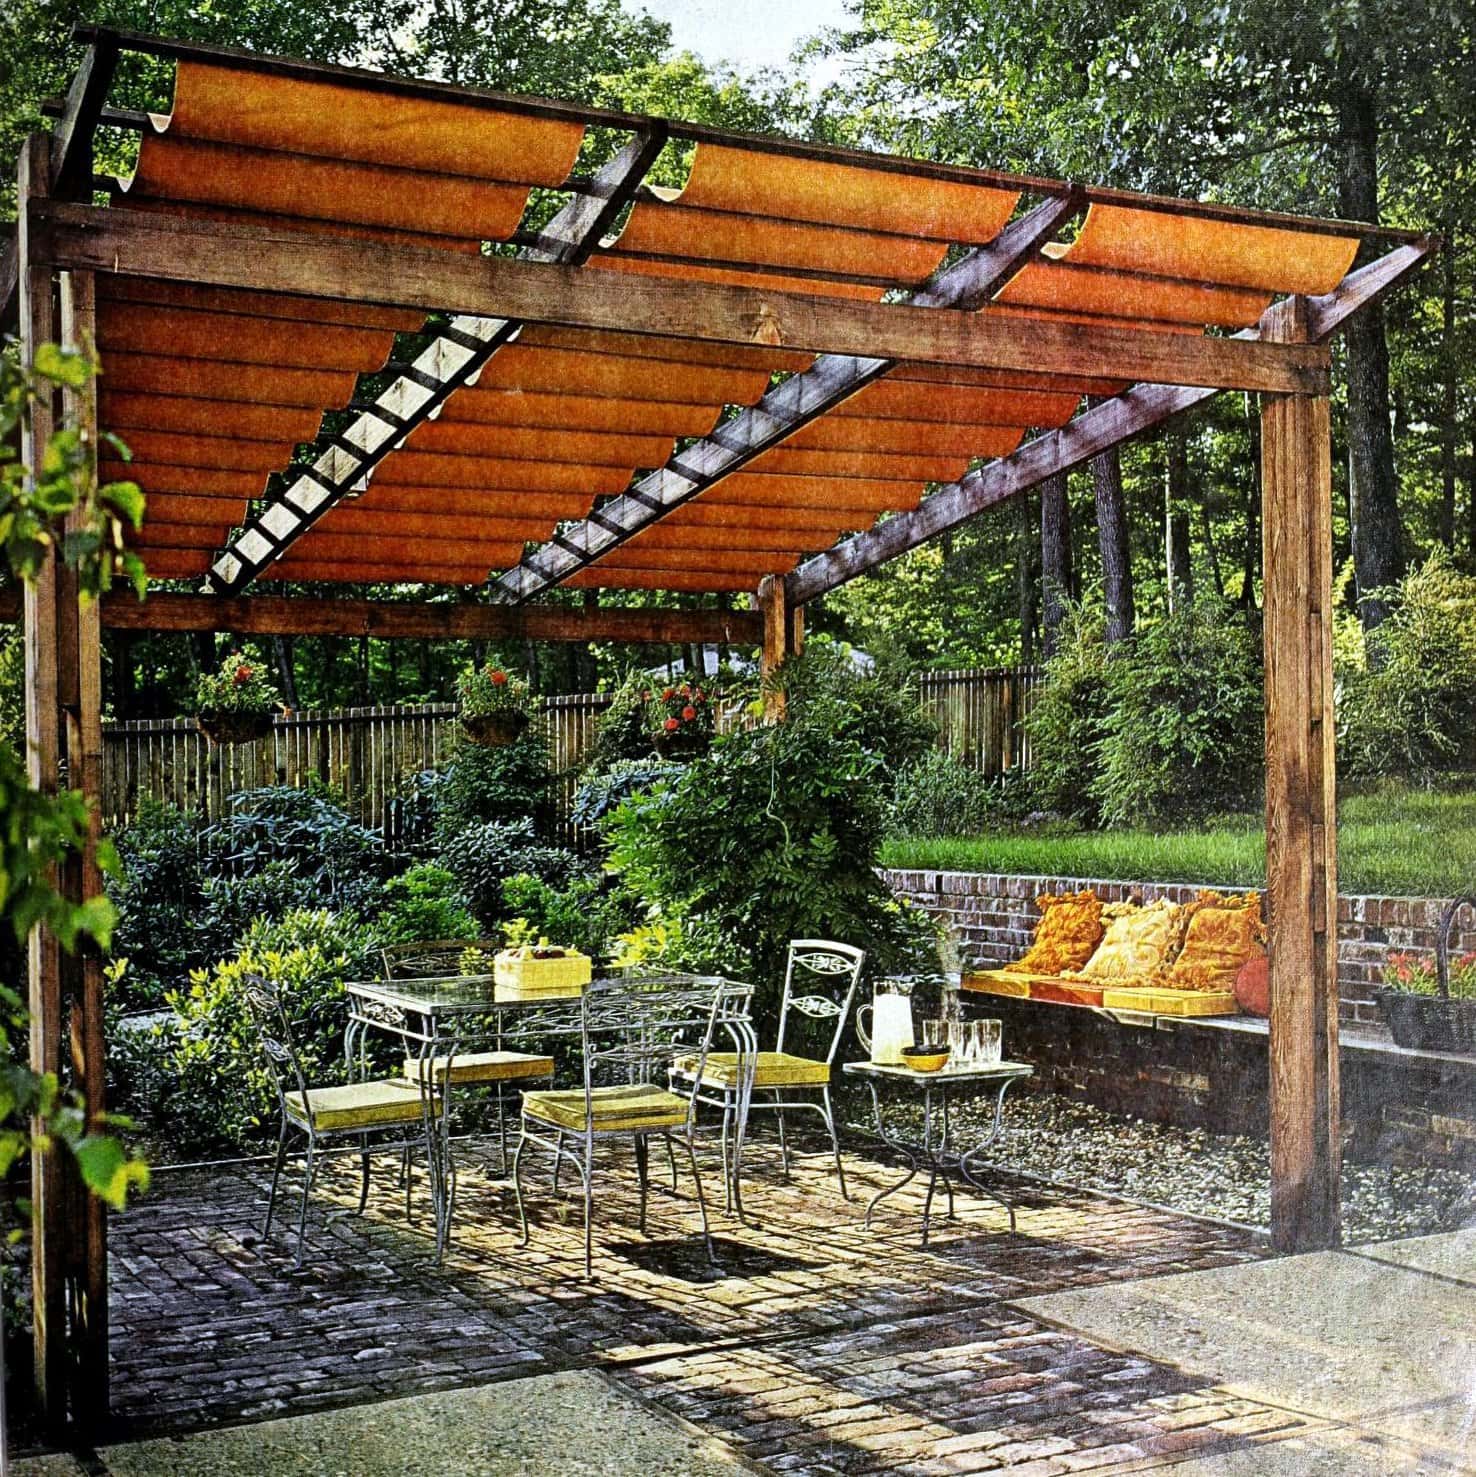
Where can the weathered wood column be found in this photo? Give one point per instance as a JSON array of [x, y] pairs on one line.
[[63, 745], [1301, 847], [784, 636]]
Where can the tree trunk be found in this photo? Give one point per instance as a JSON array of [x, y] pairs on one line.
[[1378, 537], [1027, 583], [1176, 503], [1055, 558], [1471, 503], [282, 646], [1251, 565], [1207, 537], [1112, 537], [1448, 426]]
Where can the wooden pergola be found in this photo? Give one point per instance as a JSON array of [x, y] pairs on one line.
[[805, 363]]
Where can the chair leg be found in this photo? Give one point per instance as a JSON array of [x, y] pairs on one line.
[[587, 1171], [671, 1160], [642, 1176], [517, 1177], [266, 1229], [840, 1171], [307, 1187], [783, 1144], [727, 1168], [558, 1160], [364, 1174], [701, 1201]]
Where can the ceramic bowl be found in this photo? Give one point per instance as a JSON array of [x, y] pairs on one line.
[[930, 1056]]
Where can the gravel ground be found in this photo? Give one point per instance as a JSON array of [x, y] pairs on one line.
[[1222, 1175]]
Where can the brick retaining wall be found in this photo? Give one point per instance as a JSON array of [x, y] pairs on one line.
[[1396, 1106], [995, 916]]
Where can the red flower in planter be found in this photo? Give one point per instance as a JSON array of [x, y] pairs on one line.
[[497, 677], [667, 694], [243, 674], [671, 724], [689, 712]]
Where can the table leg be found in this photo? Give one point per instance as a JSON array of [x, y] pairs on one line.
[[900, 1146]]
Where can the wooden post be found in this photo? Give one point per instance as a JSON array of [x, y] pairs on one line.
[[783, 636], [1301, 869]]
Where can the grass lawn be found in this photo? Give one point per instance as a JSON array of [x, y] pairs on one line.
[[1394, 841]]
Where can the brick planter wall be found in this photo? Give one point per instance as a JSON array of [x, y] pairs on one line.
[[1399, 1106]]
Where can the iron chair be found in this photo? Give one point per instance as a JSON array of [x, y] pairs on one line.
[[631, 1031], [357, 1109], [829, 975], [497, 1069]]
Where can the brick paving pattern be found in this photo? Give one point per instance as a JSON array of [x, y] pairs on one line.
[[819, 1347]]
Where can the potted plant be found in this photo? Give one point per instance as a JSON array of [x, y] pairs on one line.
[[236, 704], [682, 721], [494, 705], [1430, 1005], [529, 967]]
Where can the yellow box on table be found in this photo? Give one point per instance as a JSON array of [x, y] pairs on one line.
[[533, 974]]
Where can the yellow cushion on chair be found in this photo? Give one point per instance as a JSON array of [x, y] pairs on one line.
[[480, 1066], [360, 1104], [771, 1069], [641, 1105]]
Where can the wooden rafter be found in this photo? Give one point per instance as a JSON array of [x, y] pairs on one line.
[[455, 357], [270, 259], [1091, 433], [801, 399]]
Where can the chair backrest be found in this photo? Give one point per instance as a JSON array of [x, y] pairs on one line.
[[433, 958], [636, 1026], [274, 1037], [820, 983]]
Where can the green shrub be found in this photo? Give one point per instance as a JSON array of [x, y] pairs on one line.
[[483, 856], [772, 836], [940, 795], [588, 914], [159, 894], [603, 791], [1410, 708], [1066, 722], [623, 731], [313, 838], [1183, 737], [425, 903], [199, 1078], [503, 783]]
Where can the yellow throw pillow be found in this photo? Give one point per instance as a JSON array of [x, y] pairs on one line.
[[1224, 934], [1070, 928], [1137, 944]]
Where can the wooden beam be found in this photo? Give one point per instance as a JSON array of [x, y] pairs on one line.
[[277, 259], [80, 692], [800, 400], [783, 637], [454, 357], [440, 620], [1089, 434], [53, 1184], [1301, 847], [71, 139]]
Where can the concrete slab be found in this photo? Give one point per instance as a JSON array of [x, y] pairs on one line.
[[1343, 1337], [565, 1424], [1334, 1452], [1452, 1255]]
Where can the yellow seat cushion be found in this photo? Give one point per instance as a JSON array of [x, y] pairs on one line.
[[641, 1105], [359, 1105], [771, 1069], [481, 1066], [1224, 934]]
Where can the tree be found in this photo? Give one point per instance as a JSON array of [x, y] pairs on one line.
[[1055, 558], [1112, 536]]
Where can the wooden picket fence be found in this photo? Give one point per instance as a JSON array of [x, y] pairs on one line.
[[370, 754]]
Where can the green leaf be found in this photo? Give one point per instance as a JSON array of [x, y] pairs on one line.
[[107, 1170], [63, 366], [126, 498]]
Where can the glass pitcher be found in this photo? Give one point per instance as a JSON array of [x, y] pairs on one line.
[[891, 1022]]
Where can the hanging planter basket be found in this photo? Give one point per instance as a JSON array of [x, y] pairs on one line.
[[1433, 1022], [226, 729], [492, 730], [681, 745]]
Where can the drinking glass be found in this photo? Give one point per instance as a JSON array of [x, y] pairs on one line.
[[935, 1029], [958, 1042], [986, 1045]]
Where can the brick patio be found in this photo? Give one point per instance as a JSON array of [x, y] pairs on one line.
[[820, 1347]]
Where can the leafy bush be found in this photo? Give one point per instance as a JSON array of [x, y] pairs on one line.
[[315, 840], [199, 1077], [1067, 720], [425, 903], [603, 791], [623, 731], [940, 795], [159, 895], [505, 783], [1410, 708], [230, 905], [588, 914], [490, 689], [240, 686], [772, 836], [483, 856], [1183, 737]]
